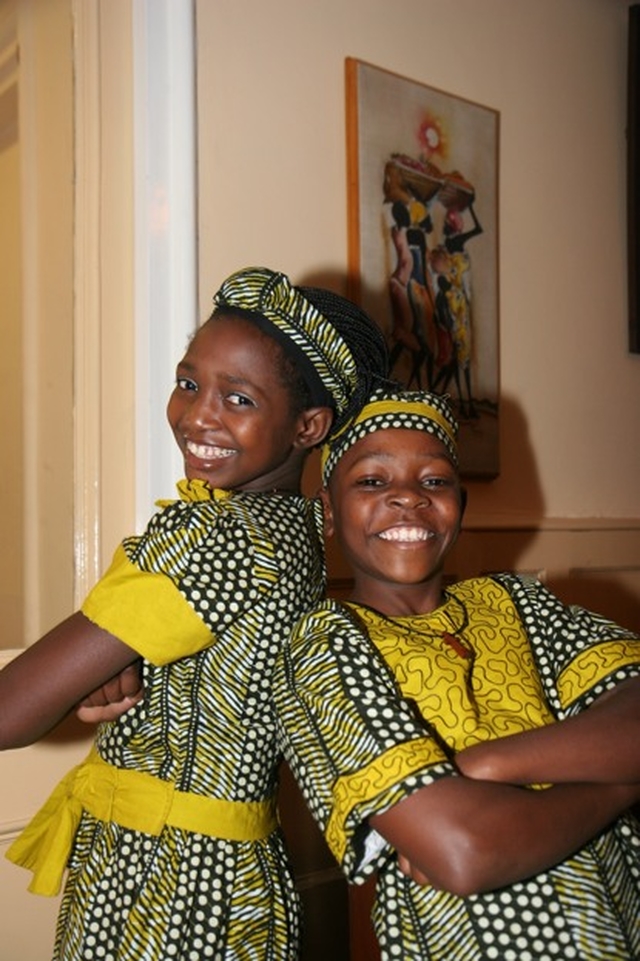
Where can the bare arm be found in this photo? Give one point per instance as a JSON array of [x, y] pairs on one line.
[[468, 836], [44, 683], [599, 745]]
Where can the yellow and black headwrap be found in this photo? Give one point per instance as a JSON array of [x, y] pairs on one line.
[[282, 311], [386, 409]]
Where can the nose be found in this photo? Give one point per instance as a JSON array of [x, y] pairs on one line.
[[409, 495], [201, 412]]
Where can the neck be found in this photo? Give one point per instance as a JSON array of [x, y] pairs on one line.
[[395, 600], [284, 479]]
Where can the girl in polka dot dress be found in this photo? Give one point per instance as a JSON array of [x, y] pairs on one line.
[[494, 744], [168, 831]]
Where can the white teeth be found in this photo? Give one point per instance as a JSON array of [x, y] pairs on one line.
[[406, 534], [206, 452]]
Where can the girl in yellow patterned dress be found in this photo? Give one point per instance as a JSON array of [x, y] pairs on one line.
[[169, 830], [494, 743]]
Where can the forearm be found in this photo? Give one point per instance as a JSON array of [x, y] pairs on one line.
[[472, 836], [599, 745], [41, 686]]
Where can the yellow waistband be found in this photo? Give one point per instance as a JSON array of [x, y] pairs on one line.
[[134, 800]]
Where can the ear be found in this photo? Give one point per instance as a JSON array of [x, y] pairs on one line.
[[313, 426], [329, 526]]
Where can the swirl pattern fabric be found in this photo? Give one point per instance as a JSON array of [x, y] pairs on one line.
[[523, 659]]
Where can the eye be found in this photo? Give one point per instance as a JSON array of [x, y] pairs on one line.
[[369, 480], [239, 400], [185, 383], [436, 483]]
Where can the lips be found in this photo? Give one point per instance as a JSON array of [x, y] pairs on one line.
[[406, 534], [207, 452]]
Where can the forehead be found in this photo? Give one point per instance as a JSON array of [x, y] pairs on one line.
[[231, 328], [222, 340]]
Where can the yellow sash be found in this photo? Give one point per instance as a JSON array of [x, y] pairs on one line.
[[134, 800]]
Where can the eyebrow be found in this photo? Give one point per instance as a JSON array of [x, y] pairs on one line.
[[188, 365]]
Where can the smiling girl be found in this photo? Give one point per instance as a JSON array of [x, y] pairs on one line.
[[418, 716], [169, 829]]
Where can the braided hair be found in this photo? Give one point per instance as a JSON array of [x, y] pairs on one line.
[[365, 341]]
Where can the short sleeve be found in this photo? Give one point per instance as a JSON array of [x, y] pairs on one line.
[[580, 654], [354, 745], [146, 611], [199, 567]]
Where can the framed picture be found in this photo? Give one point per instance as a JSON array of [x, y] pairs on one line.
[[422, 169]]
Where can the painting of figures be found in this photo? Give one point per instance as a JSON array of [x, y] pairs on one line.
[[423, 243]]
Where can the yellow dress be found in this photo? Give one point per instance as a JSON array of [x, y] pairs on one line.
[[501, 655], [177, 854]]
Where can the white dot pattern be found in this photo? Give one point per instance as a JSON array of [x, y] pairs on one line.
[[248, 565]]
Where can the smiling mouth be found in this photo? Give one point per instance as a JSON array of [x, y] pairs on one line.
[[208, 451], [411, 535]]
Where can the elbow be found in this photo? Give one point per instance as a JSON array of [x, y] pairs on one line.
[[469, 865]]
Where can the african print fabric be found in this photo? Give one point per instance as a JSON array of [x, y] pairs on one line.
[[387, 410], [246, 564], [350, 733]]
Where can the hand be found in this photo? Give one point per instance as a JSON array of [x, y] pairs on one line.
[[111, 700], [412, 872]]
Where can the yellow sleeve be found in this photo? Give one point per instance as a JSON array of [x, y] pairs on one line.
[[147, 612]]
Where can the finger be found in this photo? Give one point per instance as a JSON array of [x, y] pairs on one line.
[[97, 713], [130, 681], [411, 871], [97, 698]]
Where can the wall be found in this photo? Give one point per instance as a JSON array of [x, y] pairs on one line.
[[36, 238], [273, 190], [11, 415]]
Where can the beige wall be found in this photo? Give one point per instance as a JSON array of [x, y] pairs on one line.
[[273, 190], [11, 419], [36, 250], [36, 277]]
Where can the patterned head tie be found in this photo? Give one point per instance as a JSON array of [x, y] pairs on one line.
[[414, 410], [302, 330]]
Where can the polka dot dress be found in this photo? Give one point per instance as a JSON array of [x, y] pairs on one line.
[[357, 747], [248, 564]]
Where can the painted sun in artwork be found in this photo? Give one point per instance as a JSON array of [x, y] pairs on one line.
[[432, 138]]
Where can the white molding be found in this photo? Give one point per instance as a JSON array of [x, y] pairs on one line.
[[165, 230], [27, 112], [87, 297], [8, 654], [159, 299]]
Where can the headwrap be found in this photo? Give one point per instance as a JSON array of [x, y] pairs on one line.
[[386, 409], [280, 310]]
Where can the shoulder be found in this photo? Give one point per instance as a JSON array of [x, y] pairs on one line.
[[327, 623], [326, 613], [273, 510]]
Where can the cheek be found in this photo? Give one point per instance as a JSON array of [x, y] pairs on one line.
[[174, 408], [452, 516]]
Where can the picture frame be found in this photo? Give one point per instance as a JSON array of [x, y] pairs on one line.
[[422, 213]]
